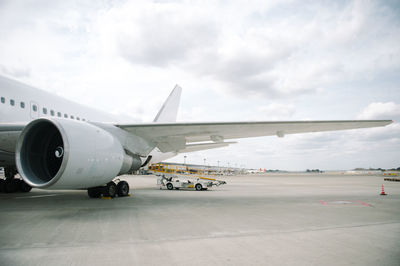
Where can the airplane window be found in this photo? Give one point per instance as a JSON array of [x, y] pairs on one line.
[[45, 111], [3, 100], [58, 114], [78, 118], [72, 117], [65, 115], [12, 102], [34, 108], [83, 119], [22, 105], [52, 112]]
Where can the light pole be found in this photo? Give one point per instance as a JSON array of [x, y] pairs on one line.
[[184, 163]]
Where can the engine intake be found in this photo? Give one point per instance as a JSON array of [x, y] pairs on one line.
[[37, 156]]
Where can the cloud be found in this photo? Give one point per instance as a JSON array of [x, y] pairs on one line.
[[252, 51], [248, 69], [276, 111], [255, 49], [15, 72], [380, 110], [161, 34]]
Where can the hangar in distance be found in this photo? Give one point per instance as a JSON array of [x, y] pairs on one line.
[[54, 143]]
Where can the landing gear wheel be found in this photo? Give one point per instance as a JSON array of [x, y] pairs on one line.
[[170, 186], [198, 187], [11, 185], [123, 189], [94, 192], [24, 187], [10, 172], [2, 185], [110, 190]]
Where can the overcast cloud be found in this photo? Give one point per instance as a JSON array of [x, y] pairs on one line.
[[236, 60]]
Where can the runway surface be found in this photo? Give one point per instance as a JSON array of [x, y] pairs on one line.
[[273, 219]]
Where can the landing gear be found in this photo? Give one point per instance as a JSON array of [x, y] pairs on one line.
[[94, 192], [110, 190], [123, 189], [24, 187], [12, 184], [10, 172]]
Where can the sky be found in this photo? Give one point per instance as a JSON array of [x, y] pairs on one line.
[[235, 60]]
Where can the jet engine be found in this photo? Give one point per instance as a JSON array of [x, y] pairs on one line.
[[70, 154]]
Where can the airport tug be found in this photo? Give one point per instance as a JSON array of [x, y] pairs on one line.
[[199, 183]]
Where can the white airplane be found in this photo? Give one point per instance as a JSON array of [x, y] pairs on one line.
[[54, 143]]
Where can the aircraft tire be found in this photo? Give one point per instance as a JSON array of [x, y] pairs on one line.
[[170, 186], [2, 185], [11, 185], [24, 187], [110, 190], [198, 187], [123, 189], [94, 192]]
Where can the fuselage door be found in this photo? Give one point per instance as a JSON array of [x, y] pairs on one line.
[[34, 110]]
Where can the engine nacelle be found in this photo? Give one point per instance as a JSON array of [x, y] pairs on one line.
[[67, 154]]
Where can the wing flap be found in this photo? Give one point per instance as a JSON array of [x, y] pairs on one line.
[[171, 143], [204, 146]]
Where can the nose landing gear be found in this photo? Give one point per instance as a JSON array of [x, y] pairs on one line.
[[11, 184]]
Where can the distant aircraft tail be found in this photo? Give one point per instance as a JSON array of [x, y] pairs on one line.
[[169, 110]]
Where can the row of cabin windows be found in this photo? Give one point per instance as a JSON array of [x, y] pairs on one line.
[[35, 109]]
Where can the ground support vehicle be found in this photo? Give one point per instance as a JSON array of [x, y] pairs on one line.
[[187, 182]]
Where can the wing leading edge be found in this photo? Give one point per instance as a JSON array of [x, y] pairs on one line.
[[175, 136]]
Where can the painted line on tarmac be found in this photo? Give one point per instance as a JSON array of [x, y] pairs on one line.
[[345, 202], [37, 196]]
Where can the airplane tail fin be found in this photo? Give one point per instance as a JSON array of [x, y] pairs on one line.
[[169, 110]]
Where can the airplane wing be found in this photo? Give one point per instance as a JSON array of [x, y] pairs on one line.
[[175, 136]]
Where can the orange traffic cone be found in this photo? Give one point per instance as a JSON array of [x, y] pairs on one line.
[[383, 192]]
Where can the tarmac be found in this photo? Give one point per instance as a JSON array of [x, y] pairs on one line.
[[271, 219]]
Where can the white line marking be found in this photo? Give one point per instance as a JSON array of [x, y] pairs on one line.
[[38, 196]]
